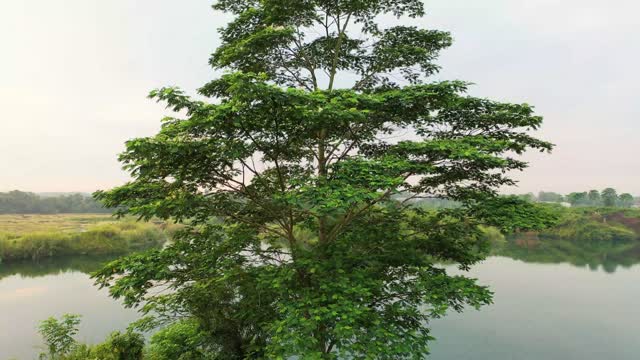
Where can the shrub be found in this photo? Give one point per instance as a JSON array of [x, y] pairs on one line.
[[120, 346], [58, 336], [179, 341], [493, 236], [590, 230]]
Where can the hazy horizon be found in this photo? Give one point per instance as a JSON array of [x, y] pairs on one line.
[[74, 81]]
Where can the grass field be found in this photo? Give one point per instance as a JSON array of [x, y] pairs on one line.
[[22, 224], [24, 237]]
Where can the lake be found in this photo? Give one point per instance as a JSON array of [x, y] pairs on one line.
[[546, 311], [551, 302], [31, 292]]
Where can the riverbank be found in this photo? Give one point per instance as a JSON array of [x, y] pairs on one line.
[[33, 237], [606, 238], [578, 225], [592, 224]]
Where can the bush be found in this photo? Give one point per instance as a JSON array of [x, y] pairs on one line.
[[58, 336], [179, 341], [493, 236], [590, 230], [120, 346]]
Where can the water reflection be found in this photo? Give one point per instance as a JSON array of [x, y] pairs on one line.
[[53, 266], [32, 291], [595, 255], [545, 311], [546, 303]]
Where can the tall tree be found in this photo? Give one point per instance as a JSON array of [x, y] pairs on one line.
[[294, 244], [609, 197], [626, 200], [550, 197], [18, 202], [594, 197], [578, 198]]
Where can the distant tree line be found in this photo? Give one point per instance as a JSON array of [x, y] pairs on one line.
[[608, 197], [19, 202]]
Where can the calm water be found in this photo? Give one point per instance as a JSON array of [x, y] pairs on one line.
[[552, 302], [31, 292], [546, 311]]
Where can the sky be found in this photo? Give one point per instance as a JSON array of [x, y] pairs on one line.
[[74, 76]]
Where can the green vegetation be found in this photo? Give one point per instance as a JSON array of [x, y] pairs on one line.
[[37, 240], [595, 225], [182, 340], [545, 196], [58, 335], [295, 245], [19, 202], [608, 197], [589, 230], [607, 237]]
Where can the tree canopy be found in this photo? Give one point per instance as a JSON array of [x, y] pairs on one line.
[[20, 202], [294, 242], [608, 197]]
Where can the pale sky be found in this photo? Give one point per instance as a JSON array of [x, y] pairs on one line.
[[74, 75]]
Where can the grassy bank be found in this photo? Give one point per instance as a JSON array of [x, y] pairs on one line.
[[596, 225], [22, 224], [34, 237]]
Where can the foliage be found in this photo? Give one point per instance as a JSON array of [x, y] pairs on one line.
[[494, 236], [513, 214], [19, 202], [594, 225], [120, 346], [294, 244], [183, 340], [626, 200], [58, 336], [578, 198], [548, 196], [528, 197], [609, 197], [590, 231], [594, 237]]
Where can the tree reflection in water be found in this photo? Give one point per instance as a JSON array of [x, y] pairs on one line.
[[606, 254], [52, 266]]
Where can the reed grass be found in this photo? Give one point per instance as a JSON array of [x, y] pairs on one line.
[[46, 236]]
